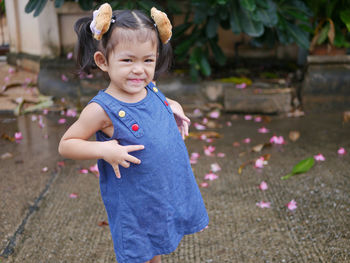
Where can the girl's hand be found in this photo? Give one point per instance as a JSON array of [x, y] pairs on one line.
[[116, 154], [182, 121]]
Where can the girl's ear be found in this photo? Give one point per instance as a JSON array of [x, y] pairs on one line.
[[101, 61]]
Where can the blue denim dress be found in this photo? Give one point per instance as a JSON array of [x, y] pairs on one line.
[[156, 203]]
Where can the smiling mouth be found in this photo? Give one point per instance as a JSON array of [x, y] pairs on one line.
[[136, 80]]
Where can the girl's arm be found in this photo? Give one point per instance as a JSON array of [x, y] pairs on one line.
[[182, 120], [75, 144]]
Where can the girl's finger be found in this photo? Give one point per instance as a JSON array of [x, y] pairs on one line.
[[125, 164], [132, 148], [116, 171], [132, 159], [186, 128]]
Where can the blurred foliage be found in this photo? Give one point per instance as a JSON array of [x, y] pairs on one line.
[[331, 23], [267, 22]]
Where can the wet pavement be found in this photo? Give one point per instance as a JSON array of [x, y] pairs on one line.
[[40, 222]]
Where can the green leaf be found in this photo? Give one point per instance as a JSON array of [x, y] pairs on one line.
[[302, 167], [217, 52], [345, 17], [234, 18], [267, 16], [248, 4], [39, 7], [249, 26], [299, 36], [41, 105], [181, 29], [205, 66], [59, 3], [30, 6], [212, 27], [86, 4], [323, 35]]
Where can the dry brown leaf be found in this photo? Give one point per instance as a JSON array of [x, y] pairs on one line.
[[208, 134], [6, 155], [102, 223], [7, 137], [346, 116], [294, 135]]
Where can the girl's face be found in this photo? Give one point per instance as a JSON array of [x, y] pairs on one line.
[[131, 67]]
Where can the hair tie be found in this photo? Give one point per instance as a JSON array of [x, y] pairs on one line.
[[102, 18], [163, 24]]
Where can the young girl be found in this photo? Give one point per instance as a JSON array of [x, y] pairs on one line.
[[146, 181]]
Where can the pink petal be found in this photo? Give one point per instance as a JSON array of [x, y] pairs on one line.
[[263, 204], [27, 80], [208, 150], [248, 117], [341, 151], [94, 169], [228, 124], [195, 155], [263, 186], [205, 120], [203, 137], [11, 70], [73, 195], [18, 136], [7, 79], [221, 155], [70, 55], [34, 117], [258, 119], [90, 76], [211, 176], [246, 140], [197, 113], [84, 171], [259, 163], [204, 184], [71, 113], [209, 140], [62, 121], [241, 86], [277, 140], [199, 127], [45, 169], [319, 157], [214, 114], [263, 130], [193, 161], [292, 205], [215, 167], [45, 111], [64, 78]]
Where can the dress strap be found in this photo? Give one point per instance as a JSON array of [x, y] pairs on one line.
[[160, 95], [116, 111]]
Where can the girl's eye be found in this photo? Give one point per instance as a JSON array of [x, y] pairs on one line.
[[126, 60], [149, 60]]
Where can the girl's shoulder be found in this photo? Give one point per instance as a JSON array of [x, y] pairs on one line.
[[93, 112]]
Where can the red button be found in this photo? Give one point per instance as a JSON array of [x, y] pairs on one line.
[[135, 127], [166, 103]]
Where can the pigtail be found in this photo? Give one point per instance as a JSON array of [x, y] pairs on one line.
[[86, 45], [165, 59]]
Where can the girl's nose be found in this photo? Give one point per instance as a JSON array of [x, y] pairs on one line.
[[137, 68]]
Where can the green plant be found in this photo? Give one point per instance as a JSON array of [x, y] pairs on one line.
[[331, 23], [196, 39], [268, 21]]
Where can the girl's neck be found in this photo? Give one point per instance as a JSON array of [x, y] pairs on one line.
[[127, 97]]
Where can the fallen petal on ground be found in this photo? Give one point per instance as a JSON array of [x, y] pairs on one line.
[[263, 204], [319, 157]]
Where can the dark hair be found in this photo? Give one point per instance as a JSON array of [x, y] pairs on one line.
[[135, 20]]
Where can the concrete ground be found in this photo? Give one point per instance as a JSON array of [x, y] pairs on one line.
[[40, 222]]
